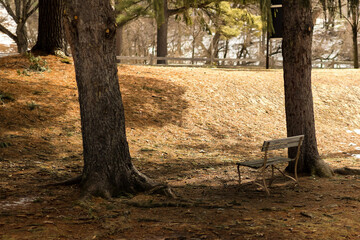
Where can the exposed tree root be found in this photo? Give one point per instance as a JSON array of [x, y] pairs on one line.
[[322, 169], [69, 182], [347, 171], [151, 204], [163, 189]]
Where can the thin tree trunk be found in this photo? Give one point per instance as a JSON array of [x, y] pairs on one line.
[[21, 38], [162, 31], [297, 41], [119, 40], [108, 170], [216, 41], [226, 50], [50, 29], [355, 46]]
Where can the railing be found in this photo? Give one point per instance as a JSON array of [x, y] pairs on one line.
[[225, 62], [152, 60], [220, 62]]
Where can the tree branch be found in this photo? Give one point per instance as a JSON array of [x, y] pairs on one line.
[[193, 5], [31, 11], [7, 7], [7, 32]]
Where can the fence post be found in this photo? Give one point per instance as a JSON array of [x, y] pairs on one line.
[[151, 59]]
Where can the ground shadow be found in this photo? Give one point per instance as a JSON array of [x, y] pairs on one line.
[[152, 102]]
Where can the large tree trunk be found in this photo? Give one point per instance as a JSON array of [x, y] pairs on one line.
[[162, 31], [108, 170], [297, 40], [50, 29]]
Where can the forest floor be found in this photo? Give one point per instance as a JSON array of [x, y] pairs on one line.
[[186, 127]]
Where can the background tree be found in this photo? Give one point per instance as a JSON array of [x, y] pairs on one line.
[[19, 11], [228, 21], [297, 42], [50, 27], [163, 10], [127, 11], [352, 17], [108, 170]]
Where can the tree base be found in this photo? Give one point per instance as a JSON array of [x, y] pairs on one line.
[[151, 188], [322, 169]]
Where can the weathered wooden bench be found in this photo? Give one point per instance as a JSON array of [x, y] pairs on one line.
[[262, 164]]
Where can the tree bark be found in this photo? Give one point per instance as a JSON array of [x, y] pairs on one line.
[[297, 41], [108, 171], [355, 46], [21, 38], [162, 30], [50, 29]]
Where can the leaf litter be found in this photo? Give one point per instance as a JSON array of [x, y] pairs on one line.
[[186, 127]]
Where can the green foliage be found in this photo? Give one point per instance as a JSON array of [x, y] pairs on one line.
[[230, 21], [236, 20], [6, 97], [66, 60], [32, 105], [37, 64], [128, 10], [4, 144]]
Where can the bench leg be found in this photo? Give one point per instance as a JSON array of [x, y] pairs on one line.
[[285, 175], [264, 182], [238, 169], [272, 176]]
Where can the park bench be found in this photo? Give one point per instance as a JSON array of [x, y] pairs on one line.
[[267, 161]]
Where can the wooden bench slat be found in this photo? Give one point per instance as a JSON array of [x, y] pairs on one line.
[[262, 164], [259, 163], [281, 143]]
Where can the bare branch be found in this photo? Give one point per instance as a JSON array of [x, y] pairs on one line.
[[31, 11], [7, 32], [9, 10]]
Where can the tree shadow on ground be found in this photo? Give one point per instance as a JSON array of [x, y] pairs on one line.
[[347, 154], [31, 122], [152, 102]]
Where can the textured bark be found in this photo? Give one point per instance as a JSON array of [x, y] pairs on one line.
[[355, 46], [21, 38], [297, 40], [108, 170], [162, 30], [50, 29]]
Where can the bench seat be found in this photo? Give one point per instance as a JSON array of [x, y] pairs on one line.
[[256, 164], [262, 164]]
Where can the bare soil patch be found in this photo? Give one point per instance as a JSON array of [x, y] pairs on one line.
[[186, 127]]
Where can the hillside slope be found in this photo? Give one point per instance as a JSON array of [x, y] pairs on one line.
[[183, 112], [186, 127]]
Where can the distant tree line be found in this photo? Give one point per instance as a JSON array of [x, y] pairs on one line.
[[202, 28]]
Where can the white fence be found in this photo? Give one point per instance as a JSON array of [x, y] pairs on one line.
[[220, 62], [224, 62], [196, 61]]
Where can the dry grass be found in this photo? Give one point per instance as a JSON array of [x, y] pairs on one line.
[[186, 127]]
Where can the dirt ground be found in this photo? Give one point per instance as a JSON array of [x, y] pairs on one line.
[[186, 127]]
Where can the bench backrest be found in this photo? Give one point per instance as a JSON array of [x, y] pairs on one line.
[[282, 143]]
